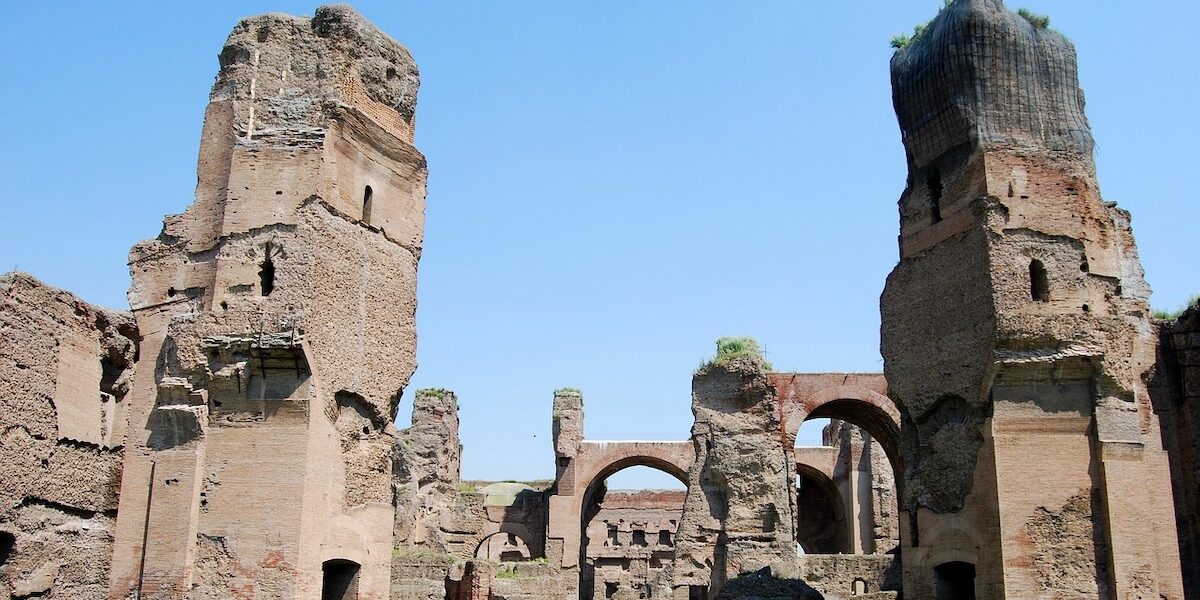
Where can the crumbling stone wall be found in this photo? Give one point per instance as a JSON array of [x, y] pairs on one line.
[[277, 315], [427, 463], [1017, 320], [740, 509], [65, 370], [845, 576]]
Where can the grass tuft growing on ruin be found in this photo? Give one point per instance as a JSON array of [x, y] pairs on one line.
[[730, 347], [1038, 21], [568, 390], [902, 40], [1171, 315]]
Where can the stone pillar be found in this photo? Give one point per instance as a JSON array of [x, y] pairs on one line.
[[427, 461], [739, 513], [564, 521], [1016, 330]]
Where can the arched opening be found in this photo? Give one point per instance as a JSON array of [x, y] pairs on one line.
[[1039, 281], [850, 504], [630, 514], [858, 587], [503, 547], [339, 580], [820, 515], [366, 210], [954, 581]]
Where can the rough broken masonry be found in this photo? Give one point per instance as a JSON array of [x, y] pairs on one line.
[[1034, 434]]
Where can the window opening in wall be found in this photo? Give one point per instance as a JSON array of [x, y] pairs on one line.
[[639, 538], [664, 538], [697, 592], [366, 215], [610, 589], [612, 536], [954, 581], [266, 273], [7, 541], [1039, 281], [934, 183], [339, 580]]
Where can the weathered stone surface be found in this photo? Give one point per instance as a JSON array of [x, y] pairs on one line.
[[740, 506], [426, 463], [65, 368], [844, 576]]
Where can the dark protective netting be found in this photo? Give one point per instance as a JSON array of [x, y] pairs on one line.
[[984, 75]]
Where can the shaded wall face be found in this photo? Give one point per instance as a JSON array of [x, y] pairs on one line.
[[65, 368], [1176, 392]]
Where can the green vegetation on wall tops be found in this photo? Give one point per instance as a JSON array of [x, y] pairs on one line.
[[729, 348]]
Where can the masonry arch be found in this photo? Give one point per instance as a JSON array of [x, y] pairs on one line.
[[854, 473], [626, 537], [599, 460], [503, 546], [820, 510], [865, 408], [339, 579]]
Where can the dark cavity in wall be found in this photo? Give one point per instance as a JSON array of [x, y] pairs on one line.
[[954, 581], [7, 541], [1039, 281], [266, 273], [339, 580], [366, 213]]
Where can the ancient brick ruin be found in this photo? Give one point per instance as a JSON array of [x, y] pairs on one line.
[[231, 436]]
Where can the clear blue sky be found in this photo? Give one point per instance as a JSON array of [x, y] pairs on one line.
[[613, 185]]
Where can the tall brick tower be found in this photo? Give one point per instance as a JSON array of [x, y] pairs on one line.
[[276, 317], [1016, 332]]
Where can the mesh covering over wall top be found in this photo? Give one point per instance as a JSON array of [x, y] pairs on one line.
[[984, 75]]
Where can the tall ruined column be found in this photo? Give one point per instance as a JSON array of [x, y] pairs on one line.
[[1016, 331], [739, 513], [564, 540], [276, 316]]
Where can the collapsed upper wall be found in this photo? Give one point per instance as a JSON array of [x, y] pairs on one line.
[[981, 75], [288, 68], [65, 369], [309, 210]]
